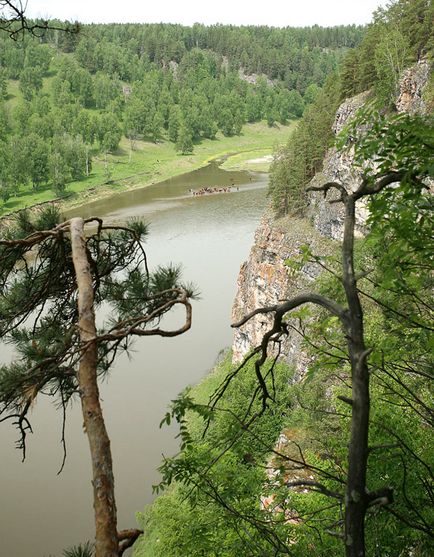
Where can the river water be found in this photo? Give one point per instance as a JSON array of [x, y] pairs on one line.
[[42, 512]]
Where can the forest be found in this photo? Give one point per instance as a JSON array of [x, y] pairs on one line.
[[396, 38], [335, 460], [68, 97]]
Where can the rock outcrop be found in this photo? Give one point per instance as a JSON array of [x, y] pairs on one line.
[[265, 279], [412, 84], [338, 166], [254, 78]]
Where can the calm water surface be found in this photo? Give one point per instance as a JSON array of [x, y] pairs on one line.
[[41, 512]]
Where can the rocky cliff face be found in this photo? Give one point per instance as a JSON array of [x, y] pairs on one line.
[[265, 279], [412, 84], [337, 167]]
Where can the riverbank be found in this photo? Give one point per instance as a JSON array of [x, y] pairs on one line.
[[150, 163], [237, 472], [257, 161]]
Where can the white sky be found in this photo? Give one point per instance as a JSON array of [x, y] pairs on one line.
[[278, 13]]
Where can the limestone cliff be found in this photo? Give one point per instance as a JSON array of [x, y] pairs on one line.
[[412, 86], [264, 279], [337, 167]]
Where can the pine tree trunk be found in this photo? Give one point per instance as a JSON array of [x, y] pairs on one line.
[[99, 442]]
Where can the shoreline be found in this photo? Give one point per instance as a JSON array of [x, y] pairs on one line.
[[151, 164], [106, 191], [73, 201]]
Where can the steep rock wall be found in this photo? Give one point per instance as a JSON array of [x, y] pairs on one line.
[[264, 279], [328, 217], [412, 86]]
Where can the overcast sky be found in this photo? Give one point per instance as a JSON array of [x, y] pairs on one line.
[[278, 13]]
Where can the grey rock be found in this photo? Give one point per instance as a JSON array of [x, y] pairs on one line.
[[264, 279]]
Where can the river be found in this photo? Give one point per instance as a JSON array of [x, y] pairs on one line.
[[42, 512]]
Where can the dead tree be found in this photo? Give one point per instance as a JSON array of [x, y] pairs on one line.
[[357, 498]]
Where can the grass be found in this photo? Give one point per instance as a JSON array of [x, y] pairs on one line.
[[150, 163], [256, 160], [15, 95]]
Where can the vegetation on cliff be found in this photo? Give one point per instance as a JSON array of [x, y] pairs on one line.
[[214, 508], [296, 163], [398, 37]]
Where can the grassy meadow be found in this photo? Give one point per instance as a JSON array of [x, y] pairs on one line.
[[148, 163]]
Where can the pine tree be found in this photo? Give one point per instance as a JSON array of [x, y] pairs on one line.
[[184, 143], [47, 309]]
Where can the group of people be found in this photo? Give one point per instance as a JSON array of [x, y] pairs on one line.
[[205, 190]]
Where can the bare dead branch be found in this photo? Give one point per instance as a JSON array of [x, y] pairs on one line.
[[327, 187], [369, 187], [315, 486], [14, 21], [280, 309]]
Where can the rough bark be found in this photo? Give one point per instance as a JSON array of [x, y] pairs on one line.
[[99, 442]]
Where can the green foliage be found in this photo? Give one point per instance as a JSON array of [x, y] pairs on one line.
[[401, 386], [302, 157], [400, 35], [397, 291], [385, 51], [390, 143], [145, 81], [36, 152], [227, 464], [392, 56], [184, 143], [105, 90], [3, 84], [108, 132], [58, 172], [82, 550], [30, 82], [39, 56]]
